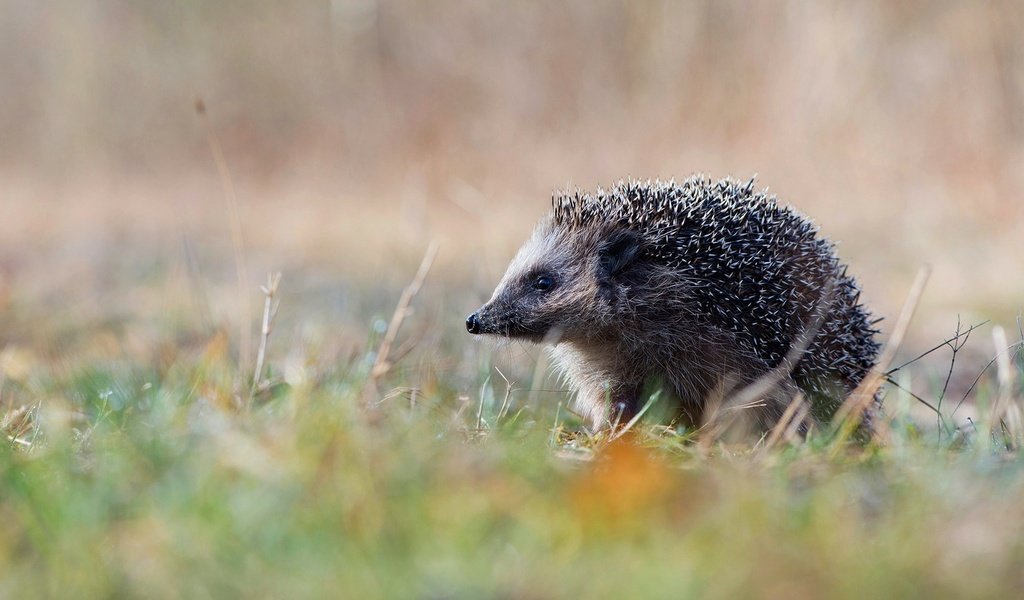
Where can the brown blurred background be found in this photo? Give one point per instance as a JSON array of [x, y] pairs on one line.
[[356, 131]]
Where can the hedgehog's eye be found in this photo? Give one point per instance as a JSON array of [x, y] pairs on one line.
[[543, 283]]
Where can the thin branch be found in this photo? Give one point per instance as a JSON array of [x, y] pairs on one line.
[[893, 383], [955, 346], [1017, 345], [944, 343]]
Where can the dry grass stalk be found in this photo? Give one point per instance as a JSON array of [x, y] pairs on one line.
[[506, 401], [1005, 413], [16, 423], [849, 415], [636, 418], [788, 420], [381, 365], [237, 240], [269, 312]]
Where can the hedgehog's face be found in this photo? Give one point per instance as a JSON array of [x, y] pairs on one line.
[[560, 286]]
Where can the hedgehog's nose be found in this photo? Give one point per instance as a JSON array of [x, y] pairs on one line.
[[473, 324]]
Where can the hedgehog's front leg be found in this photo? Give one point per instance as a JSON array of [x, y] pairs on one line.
[[606, 404], [605, 394]]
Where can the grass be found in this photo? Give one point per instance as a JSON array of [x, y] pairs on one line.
[[169, 473]]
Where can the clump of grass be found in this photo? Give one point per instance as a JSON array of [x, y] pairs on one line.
[[123, 477]]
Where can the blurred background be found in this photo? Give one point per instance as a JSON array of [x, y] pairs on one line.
[[148, 144]]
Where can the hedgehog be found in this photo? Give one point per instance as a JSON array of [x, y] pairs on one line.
[[701, 289]]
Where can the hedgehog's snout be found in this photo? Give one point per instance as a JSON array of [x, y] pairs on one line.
[[485, 320], [473, 324]]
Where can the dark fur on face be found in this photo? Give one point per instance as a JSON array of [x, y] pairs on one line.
[[704, 286]]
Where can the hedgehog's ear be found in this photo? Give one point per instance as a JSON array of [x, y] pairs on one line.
[[618, 251]]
